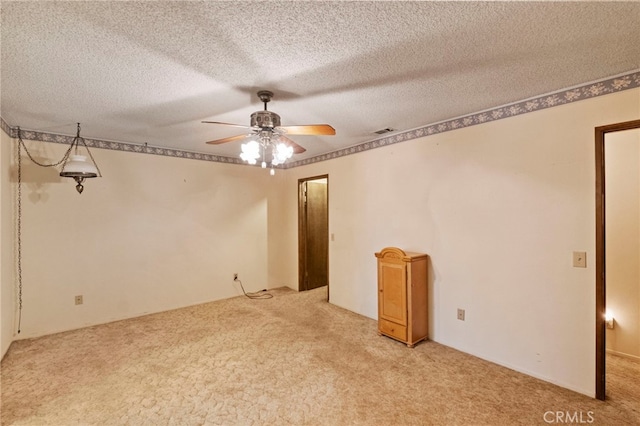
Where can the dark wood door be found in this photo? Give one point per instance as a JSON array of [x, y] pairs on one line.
[[314, 234]]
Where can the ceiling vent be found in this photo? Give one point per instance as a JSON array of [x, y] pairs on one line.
[[383, 131]]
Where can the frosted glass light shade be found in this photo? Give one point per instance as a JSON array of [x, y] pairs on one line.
[[253, 150], [78, 166], [281, 153], [250, 152]]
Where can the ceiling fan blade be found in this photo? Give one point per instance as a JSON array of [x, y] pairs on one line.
[[309, 129], [229, 139], [297, 149], [226, 124]]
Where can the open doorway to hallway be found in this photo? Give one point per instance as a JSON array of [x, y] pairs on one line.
[[617, 257]]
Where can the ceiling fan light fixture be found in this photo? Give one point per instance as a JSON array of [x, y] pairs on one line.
[[269, 137], [250, 152]]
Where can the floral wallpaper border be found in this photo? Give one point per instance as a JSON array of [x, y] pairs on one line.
[[606, 86], [590, 90], [116, 146]]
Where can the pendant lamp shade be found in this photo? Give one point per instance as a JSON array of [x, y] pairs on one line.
[[78, 166]]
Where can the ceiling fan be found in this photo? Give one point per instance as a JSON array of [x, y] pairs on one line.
[[266, 132]]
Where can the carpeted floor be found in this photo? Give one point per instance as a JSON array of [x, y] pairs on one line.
[[293, 359]]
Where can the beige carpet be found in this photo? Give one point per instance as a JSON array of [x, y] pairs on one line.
[[293, 359]]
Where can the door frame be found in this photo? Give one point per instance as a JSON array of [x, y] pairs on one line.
[[302, 256], [601, 290]]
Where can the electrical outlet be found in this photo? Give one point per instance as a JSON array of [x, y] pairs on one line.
[[461, 314], [609, 323], [78, 300], [235, 277]]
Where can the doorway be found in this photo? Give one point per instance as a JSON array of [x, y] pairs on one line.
[[601, 261], [313, 233]]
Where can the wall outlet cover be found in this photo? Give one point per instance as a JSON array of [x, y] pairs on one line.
[[579, 259]]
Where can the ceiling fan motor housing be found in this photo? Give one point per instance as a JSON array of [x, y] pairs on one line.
[[265, 119]]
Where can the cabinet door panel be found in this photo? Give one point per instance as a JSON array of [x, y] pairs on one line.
[[393, 292]]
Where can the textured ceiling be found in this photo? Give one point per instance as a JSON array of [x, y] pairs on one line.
[[149, 72]]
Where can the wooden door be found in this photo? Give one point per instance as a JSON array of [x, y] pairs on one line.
[[314, 234]]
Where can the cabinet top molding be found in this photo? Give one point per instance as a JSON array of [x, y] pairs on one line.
[[396, 253]]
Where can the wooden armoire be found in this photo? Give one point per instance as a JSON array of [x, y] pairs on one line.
[[402, 295]]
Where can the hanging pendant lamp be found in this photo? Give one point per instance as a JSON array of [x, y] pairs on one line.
[[77, 166]]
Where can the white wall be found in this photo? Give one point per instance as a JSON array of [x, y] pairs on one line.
[[499, 208], [622, 177], [155, 233], [7, 264]]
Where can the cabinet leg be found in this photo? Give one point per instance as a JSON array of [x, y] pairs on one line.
[[409, 345]]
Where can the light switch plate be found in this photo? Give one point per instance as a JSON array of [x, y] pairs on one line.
[[579, 259]]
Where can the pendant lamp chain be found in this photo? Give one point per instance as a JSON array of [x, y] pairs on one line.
[[64, 157], [19, 226]]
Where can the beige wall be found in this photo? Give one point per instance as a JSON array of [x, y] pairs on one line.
[[7, 264], [499, 208], [281, 260], [155, 233], [622, 171]]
